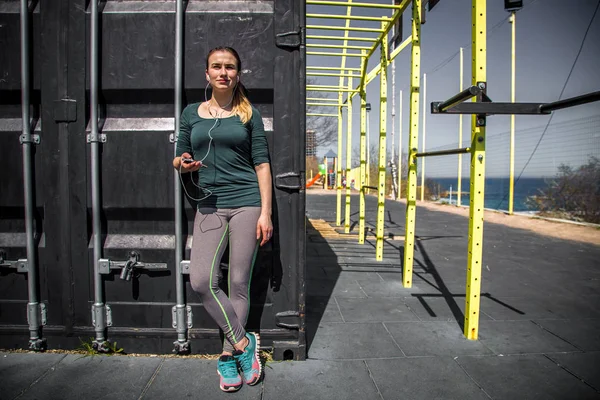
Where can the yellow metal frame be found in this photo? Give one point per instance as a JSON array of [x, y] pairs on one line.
[[363, 164], [355, 39], [338, 213], [382, 147], [478, 131], [460, 135], [328, 54], [413, 142], [348, 18], [471, 326], [348, 160], [320, 115], [345, 72]]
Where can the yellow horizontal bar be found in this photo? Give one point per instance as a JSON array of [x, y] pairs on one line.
[[326, 86], [377, 69], [346, 4], [335, 46], [308, 89], [312, 68], [321, 115], [356, 39], [324, 53], [342, 28], [325, 105], [351, 18], [325, 74], [383, 37], [322, 98]]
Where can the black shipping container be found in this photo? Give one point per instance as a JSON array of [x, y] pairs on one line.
[[134, 207]]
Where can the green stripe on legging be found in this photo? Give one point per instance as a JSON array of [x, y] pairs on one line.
[[251, 270], [211, 286]]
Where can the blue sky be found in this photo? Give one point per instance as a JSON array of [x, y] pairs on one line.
[[549, 35]]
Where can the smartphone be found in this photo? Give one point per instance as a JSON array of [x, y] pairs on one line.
[[187, 160]]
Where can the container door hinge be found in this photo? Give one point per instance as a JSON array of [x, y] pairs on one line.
[[292, 316], [108, 317], [291, 40], [65, 110], [40, 310], [187, 317], [290, 181], [185, 267]]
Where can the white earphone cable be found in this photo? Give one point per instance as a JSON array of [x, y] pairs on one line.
[[217, 118]]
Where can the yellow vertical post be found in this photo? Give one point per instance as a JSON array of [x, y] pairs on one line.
[[363, 160], [338, 220], [511, 190], [348, 159], [400, 148], [413, 141], [460, 134], [338, 213], [382, 138], [424, 133], [471, 326]]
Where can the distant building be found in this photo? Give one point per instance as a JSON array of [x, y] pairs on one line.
[[311, 143]]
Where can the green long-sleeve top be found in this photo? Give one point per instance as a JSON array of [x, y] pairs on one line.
[[228, 178]]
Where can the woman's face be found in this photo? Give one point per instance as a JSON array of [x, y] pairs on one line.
[[222, 72]]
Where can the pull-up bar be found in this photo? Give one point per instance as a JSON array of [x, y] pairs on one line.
[[457, 105], [444, 152]]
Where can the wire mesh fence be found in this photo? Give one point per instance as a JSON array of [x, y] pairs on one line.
[[542, 156]]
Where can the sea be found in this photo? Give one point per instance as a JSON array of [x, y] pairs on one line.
[[496, 192]]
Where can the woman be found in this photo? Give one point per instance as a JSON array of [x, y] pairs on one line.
[[224, 140]]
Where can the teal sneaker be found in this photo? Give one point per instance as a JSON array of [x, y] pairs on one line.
[[230, 379], [249, 361]]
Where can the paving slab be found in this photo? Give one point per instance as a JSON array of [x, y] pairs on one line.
[[375, 310], [388, 289], [344, 288], [520, 337], [322, 309], [352, 341], [582, 333], [426, 378], [585, 366], [541, 307], [434, 338], [193, 378], [317, 379], [525, 377], [98, 377], [19, 371]]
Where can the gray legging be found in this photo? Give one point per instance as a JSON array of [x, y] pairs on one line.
[[213, 228]]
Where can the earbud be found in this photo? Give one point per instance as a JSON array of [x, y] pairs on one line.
[[238, 78]]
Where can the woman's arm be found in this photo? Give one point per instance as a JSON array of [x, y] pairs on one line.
[[264, 227]]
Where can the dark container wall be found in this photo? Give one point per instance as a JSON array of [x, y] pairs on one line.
[[136, 97]]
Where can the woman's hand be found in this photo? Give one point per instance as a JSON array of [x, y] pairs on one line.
[[185, 167], [264, 228]]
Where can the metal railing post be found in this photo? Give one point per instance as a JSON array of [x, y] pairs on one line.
[[99, 308], [181, 345], [27, 142]]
